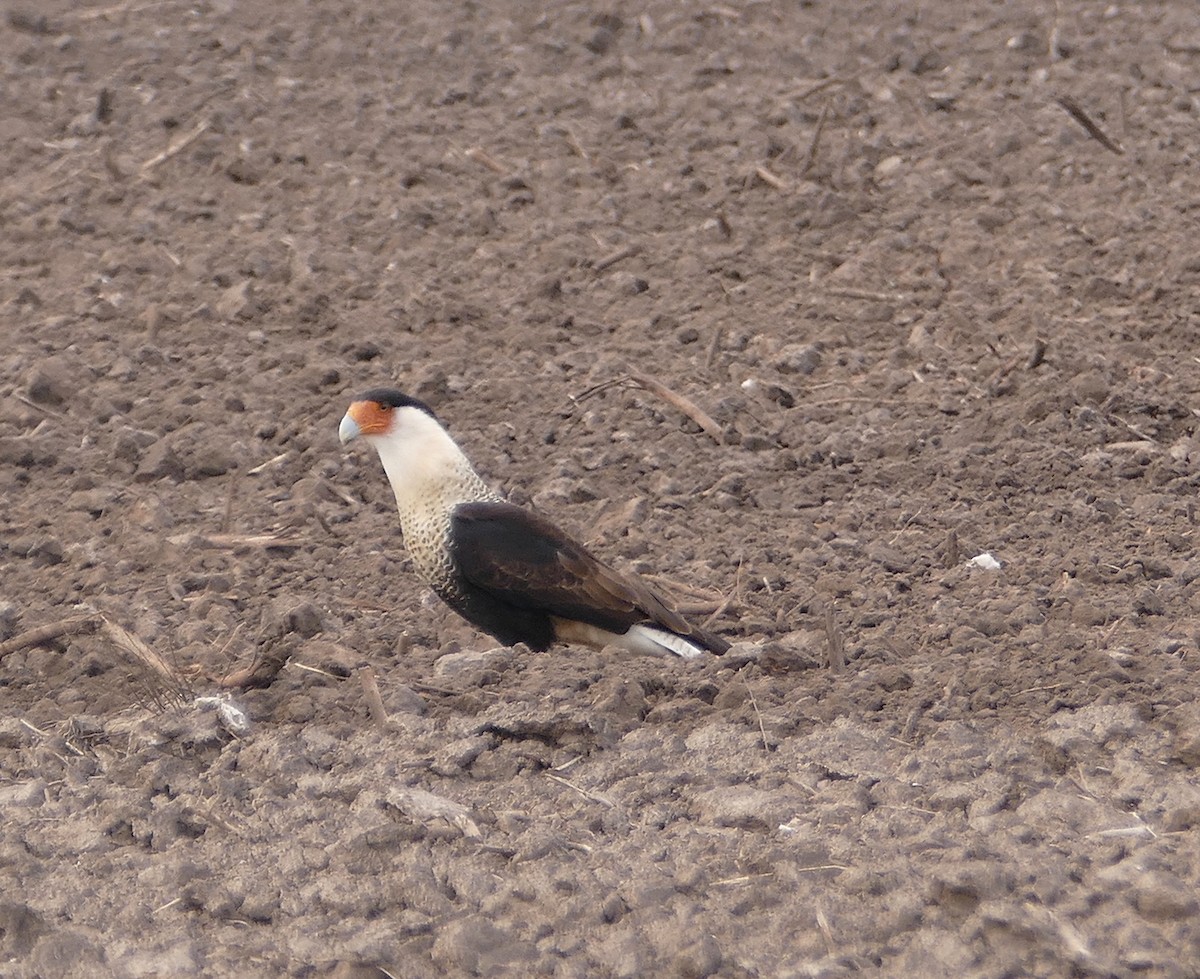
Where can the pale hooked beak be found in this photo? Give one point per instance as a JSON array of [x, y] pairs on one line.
[[348, 429]]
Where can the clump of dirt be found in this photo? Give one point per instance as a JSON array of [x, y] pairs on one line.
[[927, 315]]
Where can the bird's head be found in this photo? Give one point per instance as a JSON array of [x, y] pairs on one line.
[[385, 413], [420, 458]]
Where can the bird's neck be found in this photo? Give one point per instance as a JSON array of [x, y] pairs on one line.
[[431, 476]]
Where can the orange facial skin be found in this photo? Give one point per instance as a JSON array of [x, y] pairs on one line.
[[371, 417]]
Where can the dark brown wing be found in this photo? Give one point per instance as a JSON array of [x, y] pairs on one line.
[[523, 560]]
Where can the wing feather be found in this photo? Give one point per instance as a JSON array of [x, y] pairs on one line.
[[526, 561]]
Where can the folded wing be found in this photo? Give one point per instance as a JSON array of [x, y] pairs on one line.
[[524, 561]]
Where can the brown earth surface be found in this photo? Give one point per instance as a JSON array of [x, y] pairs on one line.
[[933, 318]]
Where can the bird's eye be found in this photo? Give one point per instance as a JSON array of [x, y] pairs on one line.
[[384, 407]]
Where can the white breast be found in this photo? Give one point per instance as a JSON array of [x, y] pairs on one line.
[[429, 475]]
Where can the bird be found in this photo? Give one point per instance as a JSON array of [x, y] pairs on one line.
[[510, 572]]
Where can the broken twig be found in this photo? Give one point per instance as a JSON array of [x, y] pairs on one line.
[[686, 405], [479, 155], [768, 178], [593, 796], [628, 251], [366, 676], [177, 146], [1087, 122], [810, 158], [45, 633]]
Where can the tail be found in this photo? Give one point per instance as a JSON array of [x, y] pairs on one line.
[[657, 641]]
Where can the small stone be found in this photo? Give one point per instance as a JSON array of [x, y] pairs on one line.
[[835, 583], [605, 34], [289, 615], [1024, 41], [1090, 388], [24, 453], [14, 734], [630, 284], [889, 166], [457, 756], [261, 903], [1149, 602], [329, 656], [453, 664], [129, 443], [211, 458], [366, 351], [613, 909], [756, 443], [622, 702], [104, 310], [51, 382], [237, 301], [801, 359], [1087, 614], [68, 952], [731, 696], [159, 462]]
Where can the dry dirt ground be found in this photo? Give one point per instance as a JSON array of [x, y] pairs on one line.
[[932, 316]]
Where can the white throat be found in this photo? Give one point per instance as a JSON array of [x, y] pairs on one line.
[[427, 469]]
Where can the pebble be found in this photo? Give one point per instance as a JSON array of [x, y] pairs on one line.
[[52, 382], [288, 615], [129, 444], [452, 664], [209, 459], [238, 301], [1086, 614], [621, 700], [630, 284], [159, 462], [889, 166], [801, 359], [457, 756], [1089, 388], [403, 699], [1181, 818]]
